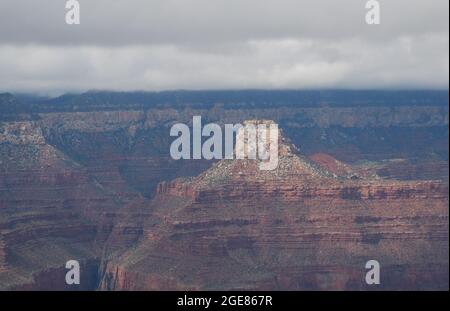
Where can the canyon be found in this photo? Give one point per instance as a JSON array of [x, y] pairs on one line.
[[89, 177]]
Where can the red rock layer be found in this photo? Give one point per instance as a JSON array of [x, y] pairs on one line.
[[51, 209], [288, 191], [298, 227]]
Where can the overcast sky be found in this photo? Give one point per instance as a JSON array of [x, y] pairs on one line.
[[222, 44]]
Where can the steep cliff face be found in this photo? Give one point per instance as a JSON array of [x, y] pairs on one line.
[[2, 256], [297, 227], [53, 278], [51, 210]]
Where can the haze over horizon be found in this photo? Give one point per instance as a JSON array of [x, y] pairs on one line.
[[172, 45]]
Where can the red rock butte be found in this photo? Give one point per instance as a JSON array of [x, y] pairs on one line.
[[90, 177], [298, 227]]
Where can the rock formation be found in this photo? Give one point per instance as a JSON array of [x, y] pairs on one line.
[[298, 227], [89, 177]]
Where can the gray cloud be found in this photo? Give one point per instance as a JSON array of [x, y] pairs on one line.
[[198, 44]]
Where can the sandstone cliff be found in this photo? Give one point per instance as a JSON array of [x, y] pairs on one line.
[[298, 227]]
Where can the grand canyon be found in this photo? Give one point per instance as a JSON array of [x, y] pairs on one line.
[[362, 175]]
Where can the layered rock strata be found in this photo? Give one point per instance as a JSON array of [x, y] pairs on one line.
[[299, 227]]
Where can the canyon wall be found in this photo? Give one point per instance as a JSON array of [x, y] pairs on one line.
[[298, 227], [89, 177]]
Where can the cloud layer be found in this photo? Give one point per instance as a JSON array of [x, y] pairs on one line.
[[204, 44]]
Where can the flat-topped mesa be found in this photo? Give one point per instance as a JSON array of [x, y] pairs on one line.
[[244, 168], [268, 135], [285, 147], [294, 178], [305, 221]]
